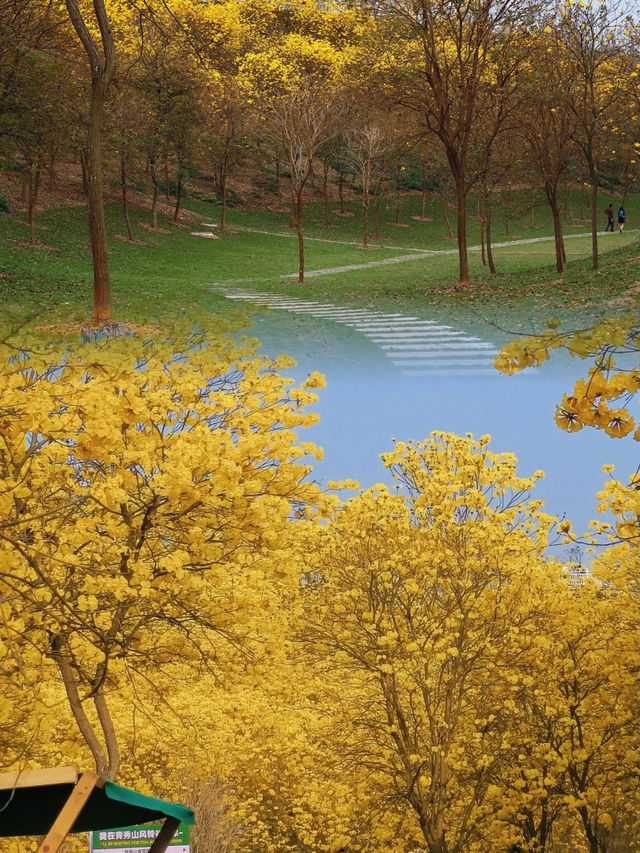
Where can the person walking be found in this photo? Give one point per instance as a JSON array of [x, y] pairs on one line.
[[622, 218], [609, 212]]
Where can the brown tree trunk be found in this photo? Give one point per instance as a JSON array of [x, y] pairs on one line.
[[156, 192], [97, 226], [166, 177], [341, 189], [85, 173], [176, 210], [60, 655], [461, 199], [325, 190], [223, 213], [108, 732], [125, 200], [571, 216], [365, 236], [436, 842], [102, 68], [298, 227], [154, 208], [482, 224], [533, 207], [34, 186], [594, 219], [492, 265], [552, 198]]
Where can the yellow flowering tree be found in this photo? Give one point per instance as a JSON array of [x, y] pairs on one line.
[[145, 487], [602, 399], [423, 618], [294, 86]]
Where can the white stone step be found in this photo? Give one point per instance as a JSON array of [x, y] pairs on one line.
[[402, 350]]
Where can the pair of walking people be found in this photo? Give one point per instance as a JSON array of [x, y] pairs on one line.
[[622, 218]]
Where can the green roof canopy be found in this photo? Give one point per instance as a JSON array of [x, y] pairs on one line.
[[30, 803]]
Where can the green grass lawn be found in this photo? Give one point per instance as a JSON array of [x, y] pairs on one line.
[[170, 272]]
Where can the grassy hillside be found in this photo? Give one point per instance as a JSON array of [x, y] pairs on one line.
[[167, 271]]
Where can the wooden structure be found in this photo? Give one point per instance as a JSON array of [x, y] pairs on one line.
[[55, 802]]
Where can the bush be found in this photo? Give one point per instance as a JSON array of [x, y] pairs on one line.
[[4, 204]]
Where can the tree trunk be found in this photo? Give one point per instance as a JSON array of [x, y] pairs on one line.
[[166, 177], [594, 218], [101, 73], [34, 186], [85, 173], [176, 211], [109, 734], [341, 188], [366, 201], [154, 208], [52, 170], [325, 190], [482, 223], [156, 192], [552, 198], [423, 202], [436, 842], [277, 175], [533, 207], [461, 198], [97, 227], [298, 227], [60, 655], [125, 200], [398, 195], [223, 213], [492, 265], [571, 216]]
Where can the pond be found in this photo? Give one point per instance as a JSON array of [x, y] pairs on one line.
[[391, 375]]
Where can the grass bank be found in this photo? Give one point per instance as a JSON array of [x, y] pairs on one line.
[[168, 271]]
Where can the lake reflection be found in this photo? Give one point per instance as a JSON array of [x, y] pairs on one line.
[[403, 378]]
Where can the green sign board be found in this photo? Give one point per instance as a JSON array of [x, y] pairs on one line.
[[135, 839]]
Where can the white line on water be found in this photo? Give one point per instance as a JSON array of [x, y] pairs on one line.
[[407, 341], [410, 350], [426, 335], [454, 360]]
